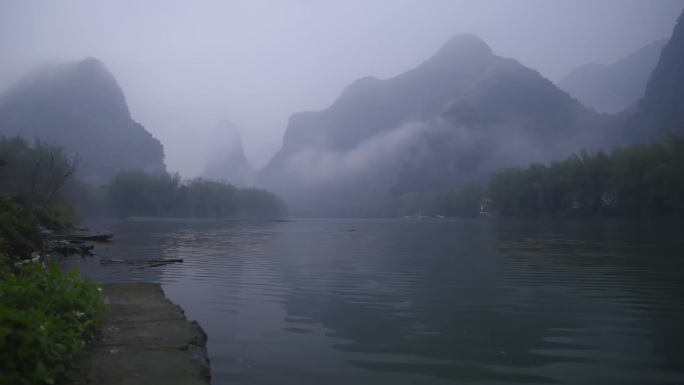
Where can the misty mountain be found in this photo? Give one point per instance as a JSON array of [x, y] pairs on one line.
[[612, 88], [80, 106], [453, 119], [662, 107], [226, 157]]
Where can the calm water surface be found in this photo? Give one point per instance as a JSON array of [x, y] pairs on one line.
[[421, 301]]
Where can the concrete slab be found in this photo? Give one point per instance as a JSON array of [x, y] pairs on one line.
[[145, 339]]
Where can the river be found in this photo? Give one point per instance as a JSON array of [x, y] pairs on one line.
[[420, 301]]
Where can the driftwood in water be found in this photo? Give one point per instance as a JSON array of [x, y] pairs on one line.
[[148, 262], [95, 238], [69, 247], [145, 263]]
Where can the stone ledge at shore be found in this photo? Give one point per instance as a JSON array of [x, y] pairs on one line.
[[145, 340]]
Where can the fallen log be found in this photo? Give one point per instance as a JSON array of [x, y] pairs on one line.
[[96, 238], [145, 263], [151, 262]]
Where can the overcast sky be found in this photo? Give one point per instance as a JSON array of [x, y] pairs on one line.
[[185, 65]]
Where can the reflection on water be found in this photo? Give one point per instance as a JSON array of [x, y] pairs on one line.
[[413, 301]]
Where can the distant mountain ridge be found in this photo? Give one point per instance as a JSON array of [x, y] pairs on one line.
[[81, 107], [613, 88], [662, 107], [449, 121], [226, 157]]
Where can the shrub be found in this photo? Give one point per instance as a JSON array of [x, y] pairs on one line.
[[46, 316], [19, 236]]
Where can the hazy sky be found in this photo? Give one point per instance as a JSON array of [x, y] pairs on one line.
[[185, 65]]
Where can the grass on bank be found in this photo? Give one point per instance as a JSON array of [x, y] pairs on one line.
[[46, 318], [46, 315]]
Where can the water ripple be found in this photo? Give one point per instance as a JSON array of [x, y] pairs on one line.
[[419, 301]]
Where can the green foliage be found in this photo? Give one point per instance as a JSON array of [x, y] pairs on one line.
[[35, 176], [252, 202], [39, 178], [137, 193], [46, 316], [639, 180], [461, 202], [19, 236], [642, 180]]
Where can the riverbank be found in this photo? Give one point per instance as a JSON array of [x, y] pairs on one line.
[[145, 339]]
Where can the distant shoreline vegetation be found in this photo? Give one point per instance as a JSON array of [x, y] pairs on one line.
[[636, 181], [27, 167], [640, 180], [144, 195]]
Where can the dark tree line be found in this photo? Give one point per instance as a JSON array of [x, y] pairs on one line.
[[44, 180], [36, 176], [642, 180], [137, 193]]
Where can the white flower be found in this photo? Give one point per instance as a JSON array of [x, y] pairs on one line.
[[79, 314]]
